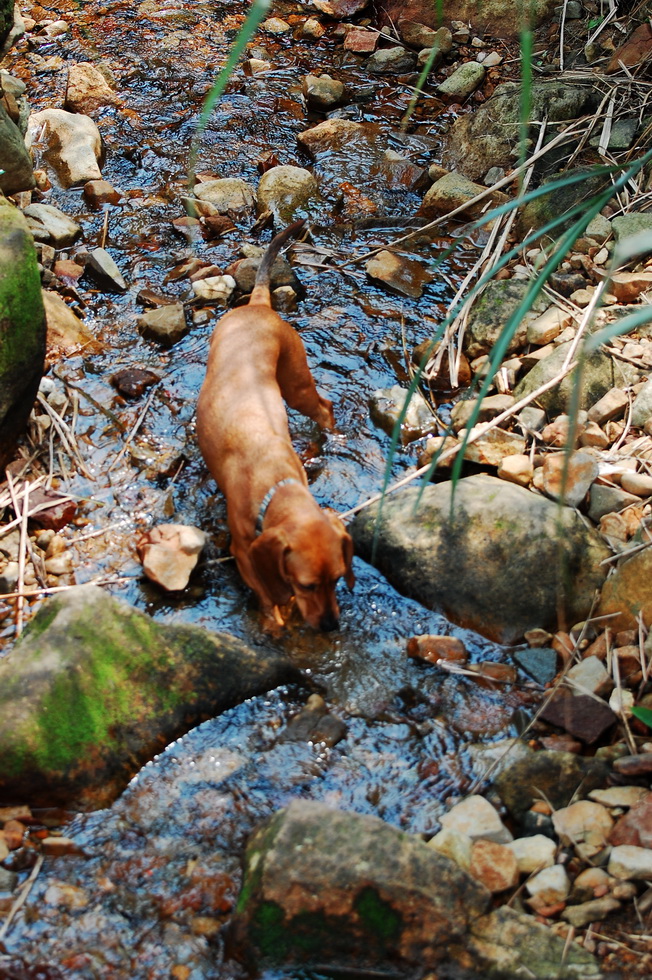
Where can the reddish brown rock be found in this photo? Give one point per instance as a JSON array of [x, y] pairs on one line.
[[494, 865], [636, 49], [580, 715], [361, 41], [635, 827], [434, 648]]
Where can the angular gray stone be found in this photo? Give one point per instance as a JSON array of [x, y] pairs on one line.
[[347, 891], [451, 554], [102, 266], [95, 688], [596, 381], [167, 324], [50, 225], [22, 328], [642, 407], [389, 61]]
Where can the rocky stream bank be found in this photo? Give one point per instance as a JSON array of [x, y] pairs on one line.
[[525, 847]]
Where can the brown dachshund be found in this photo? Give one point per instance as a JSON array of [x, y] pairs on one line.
[[283, 543]]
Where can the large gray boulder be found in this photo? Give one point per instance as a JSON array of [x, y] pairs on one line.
[[22, 327], [94, 689], [346, 891], [495, 557], [15, 160], [486, 137]]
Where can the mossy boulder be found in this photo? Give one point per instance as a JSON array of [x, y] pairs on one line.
[[15, 161], [487, 137], [22, 327], [94, 689], [344, 891], [494, 557]]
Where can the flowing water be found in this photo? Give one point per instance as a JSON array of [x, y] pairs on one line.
[[161, 868]]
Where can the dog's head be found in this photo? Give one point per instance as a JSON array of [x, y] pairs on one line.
[[306, 561]]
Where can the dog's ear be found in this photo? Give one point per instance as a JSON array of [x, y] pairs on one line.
[[267, 554], [347, 545]]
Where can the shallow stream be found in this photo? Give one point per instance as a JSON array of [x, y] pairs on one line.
[[161, 868]]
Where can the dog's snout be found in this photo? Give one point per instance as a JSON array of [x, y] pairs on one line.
[[328, 622]]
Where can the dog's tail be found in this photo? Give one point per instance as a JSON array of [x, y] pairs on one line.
[[261, 291]]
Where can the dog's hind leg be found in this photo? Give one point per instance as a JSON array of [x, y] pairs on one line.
[[297, 383]]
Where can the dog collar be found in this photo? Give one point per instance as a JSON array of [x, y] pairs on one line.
[[267, 499]]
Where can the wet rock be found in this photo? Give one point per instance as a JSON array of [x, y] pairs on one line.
[[486, 137], [333, 134], [450, 559], [390, 61], [22, 328], [322, 91], [315, 724], [132, 686], [49, 224], [400, 172], [244, 272], [627, 593], [491, 313], [87, 89], [227, 195], [581, 715], [478, 819], [463, 81], [15, 161], [133, 382], [169, 553], [100, 192], [361, 41], [452, 191], [275, 25], [312, 29], [350, 891], [584, 825], [494, 866], [632, 863], [597, 380], [568, 476], [167, 324], [533, 853], [435, 648], [402, 275], [103, 268], [214, 289], [552, 776], [65, 330], [635, 827], [386, 405], [286, 191], [511, 944], [70, 144]]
